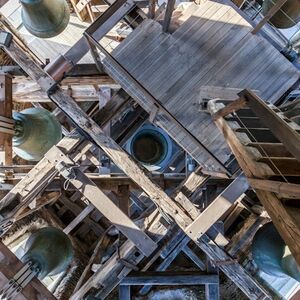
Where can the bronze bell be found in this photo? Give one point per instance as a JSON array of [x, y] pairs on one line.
[[36, 131], [272, 255], [45, 18], [50, 249], [287, 16]]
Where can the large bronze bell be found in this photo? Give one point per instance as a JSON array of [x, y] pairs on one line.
[[45, 18], [36, 131], [151, 146], [287, 16], [50, 249], [272, 255]]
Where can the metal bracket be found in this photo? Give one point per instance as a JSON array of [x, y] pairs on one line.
[[19, 281]]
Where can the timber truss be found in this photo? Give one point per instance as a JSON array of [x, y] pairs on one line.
[[171, 223]]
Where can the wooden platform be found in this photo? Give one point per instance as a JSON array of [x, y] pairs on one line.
[[213, 47]]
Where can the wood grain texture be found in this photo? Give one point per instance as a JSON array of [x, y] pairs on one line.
[[214, 47]]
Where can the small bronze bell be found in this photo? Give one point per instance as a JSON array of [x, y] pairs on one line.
[[45, 18]]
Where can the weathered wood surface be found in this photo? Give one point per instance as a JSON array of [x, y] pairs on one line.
[[170, 278], [213, 47], [102, 202], [5, 111], [85, 88], [44, 172], [285, 218]]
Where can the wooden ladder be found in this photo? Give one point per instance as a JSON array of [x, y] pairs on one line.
[[266, 144]]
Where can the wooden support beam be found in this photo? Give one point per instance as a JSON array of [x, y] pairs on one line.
[[101, 201], [230, 108], [170, 278], [168, 15], [79, 218], [123, 194], [39, 177], [110, 182], [5, 111], [274, 9], [218, 207], [129, 166], [94, 132], [124, 292], [289, 189]]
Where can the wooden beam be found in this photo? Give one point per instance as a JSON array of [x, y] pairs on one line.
[[280, 129], [170, 278], [217, 208], [95, 134], [43, 172], [168, 15], [124, 292], [123, 194], [278, 187], [230, 108], [272, 11], [79, 218], [101, 201], [109, 182], [5, 111]]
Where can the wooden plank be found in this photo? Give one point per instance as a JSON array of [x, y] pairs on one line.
[[230, 108], [79, 218], [288, 166], [101, 201], [289, 137], [43, 172], [217, 208], [271, 149], [5, 111], [168, 278], [282, 188], [272, 11]]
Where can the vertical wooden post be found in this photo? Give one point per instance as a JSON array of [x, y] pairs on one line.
[[168, 15], [5, 111], [152, 4], [124, 292]]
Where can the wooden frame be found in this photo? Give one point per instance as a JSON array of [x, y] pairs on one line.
[[283, 217]]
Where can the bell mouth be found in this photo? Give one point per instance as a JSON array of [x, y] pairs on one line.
[[149, 147]]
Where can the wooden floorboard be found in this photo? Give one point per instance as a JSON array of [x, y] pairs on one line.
[[214, 46]]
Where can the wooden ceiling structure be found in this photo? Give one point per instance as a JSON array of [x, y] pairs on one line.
[[177, 212]]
